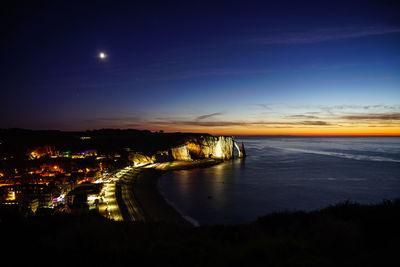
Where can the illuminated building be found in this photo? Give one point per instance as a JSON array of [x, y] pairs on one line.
[[83, 198]]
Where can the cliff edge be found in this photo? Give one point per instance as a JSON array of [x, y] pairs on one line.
[[193, 148]]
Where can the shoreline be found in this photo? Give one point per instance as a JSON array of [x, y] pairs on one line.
[[155, 207]]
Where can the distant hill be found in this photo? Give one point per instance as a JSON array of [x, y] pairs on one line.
[[19, 141]]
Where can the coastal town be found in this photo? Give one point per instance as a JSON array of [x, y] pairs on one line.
[[51, 181], [77, 173]]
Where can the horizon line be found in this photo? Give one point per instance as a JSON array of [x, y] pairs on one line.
[[220, 134]]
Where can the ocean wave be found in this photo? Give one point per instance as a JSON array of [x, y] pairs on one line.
[[336, 179], [342, 155]]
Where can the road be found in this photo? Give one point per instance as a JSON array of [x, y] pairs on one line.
[[118, 200], [109, 206], [129, 207]]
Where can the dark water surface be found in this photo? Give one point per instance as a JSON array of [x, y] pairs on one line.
[[287, 174]]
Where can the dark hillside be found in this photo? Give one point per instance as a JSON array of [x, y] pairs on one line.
[[18, 142], [346, 234]]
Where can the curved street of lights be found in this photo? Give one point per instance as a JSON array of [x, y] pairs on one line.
[[110, 208]]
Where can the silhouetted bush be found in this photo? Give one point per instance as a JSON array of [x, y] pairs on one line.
[[346, 234]]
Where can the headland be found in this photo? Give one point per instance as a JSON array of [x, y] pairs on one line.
[[60, 172]]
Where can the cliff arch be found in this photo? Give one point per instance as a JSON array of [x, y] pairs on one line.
[[240, 151]]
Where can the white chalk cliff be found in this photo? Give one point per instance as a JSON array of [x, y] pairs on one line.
[[199, 147]]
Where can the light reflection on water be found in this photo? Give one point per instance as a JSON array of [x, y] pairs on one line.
[[287, 174]]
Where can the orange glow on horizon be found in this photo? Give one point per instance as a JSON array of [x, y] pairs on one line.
[[295, 131], [318, 132]]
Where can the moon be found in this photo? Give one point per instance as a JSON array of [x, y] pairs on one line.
[[102, 55]]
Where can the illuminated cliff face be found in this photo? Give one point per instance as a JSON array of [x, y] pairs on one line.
[[140, 158], [219, 147], [181, 153], [216, 147]]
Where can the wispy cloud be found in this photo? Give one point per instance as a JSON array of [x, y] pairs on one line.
[[385, 117], [208, 116], [263, 106], [323, 35], [379, 115], [301, 117], [382, 78], [316, 123], [241, 123], [240, 95], [316, 109], [190, 74], [373, 78]]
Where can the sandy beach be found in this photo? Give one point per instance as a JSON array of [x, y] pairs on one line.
[[149, 201]]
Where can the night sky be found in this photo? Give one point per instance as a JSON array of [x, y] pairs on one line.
[[222, 67]]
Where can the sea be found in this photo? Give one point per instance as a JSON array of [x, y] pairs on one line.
[[286, 174]]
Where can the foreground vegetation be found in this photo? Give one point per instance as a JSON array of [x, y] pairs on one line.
[[347, 234]]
